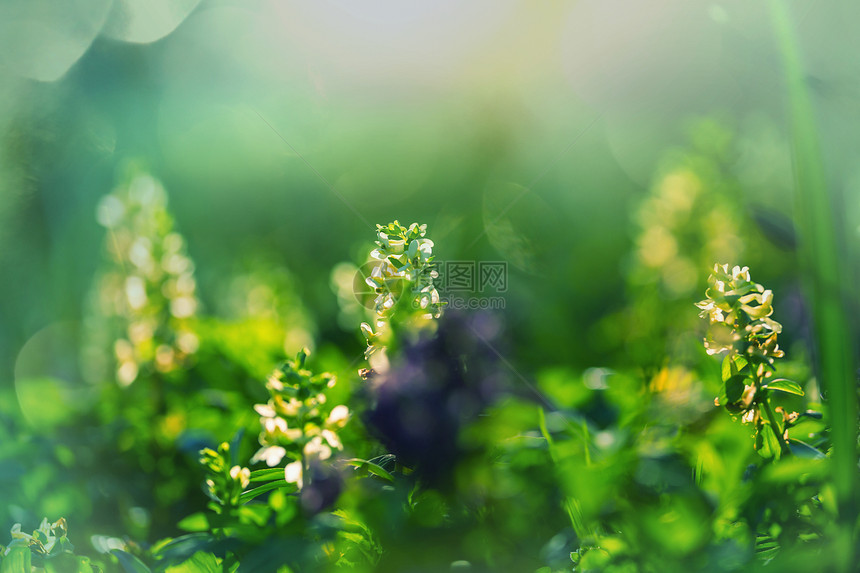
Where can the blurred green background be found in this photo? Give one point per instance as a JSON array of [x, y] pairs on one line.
[[408, 111], [610, 152]]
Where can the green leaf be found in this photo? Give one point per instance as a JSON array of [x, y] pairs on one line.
[[804, 450], [784, 385], [825, 270], [733, 364], [17, 561], [256, 513], [194, 522], [181, 548], [767, 443], [267, 474], [371, 468], [258, 491], [766, 550], [301, 357], [130, 563], [728, 369], [735, 388], [200, 562], [397, 262], [62, 545], [793, 470]]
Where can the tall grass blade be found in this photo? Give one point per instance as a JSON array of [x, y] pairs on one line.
[[826, 280]]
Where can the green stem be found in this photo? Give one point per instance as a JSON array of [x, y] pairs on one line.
[[825, 274], [771, 418], [570, 504]]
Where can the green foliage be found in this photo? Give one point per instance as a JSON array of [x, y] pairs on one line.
[[142, 391], [47, 549], [601, 470]]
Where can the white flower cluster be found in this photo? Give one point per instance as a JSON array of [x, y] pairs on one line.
[[739, 312], [48, 539], [403, 278], [150, 286], [297, 422]]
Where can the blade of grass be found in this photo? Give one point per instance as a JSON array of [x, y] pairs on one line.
[[257, 491], [823, 271], [571, 505], [267, 474]]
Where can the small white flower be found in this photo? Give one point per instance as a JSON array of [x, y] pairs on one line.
[[275, 426], [317, 448], [338, 416], [332, 439], [265, 410], [272, 455], [18, 534], [135, 290], [426, 247], [293, 473], [741, 273], [242, 475], [366, 330], [274, 383]]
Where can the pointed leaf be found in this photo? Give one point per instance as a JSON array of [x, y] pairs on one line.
[[200, 562], [728, 369], [130, 563], [784, 385], [258, 491], [194, 522], [804, 450], [267, 474], [371, 468], [397, 261], [735, 388], [767, 443]]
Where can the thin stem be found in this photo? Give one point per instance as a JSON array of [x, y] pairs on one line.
[[771, 417]]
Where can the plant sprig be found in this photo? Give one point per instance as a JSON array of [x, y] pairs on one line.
[[739, 311], [402, 281]]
